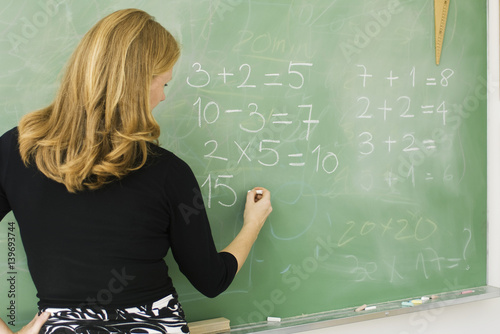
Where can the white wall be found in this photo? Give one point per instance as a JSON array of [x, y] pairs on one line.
[[482, 317]]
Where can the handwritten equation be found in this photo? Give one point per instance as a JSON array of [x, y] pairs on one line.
[[396, 127], [294, 76], [252, 145]]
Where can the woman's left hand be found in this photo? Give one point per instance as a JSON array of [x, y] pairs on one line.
[[32, 328], [36, 324]]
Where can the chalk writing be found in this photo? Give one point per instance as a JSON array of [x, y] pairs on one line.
[[296, 80], [442, 79], [400, 229], [251, 119]]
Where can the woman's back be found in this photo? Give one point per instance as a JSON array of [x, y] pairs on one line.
[[106, 246]]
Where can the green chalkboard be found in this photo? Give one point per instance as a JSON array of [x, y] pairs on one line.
[[375, 156]]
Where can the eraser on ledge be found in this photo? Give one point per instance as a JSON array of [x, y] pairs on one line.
[[361, 308]]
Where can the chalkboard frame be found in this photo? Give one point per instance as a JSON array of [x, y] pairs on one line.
[[414, 309]]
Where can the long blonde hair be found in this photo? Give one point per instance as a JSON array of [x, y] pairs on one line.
[[98, 127]]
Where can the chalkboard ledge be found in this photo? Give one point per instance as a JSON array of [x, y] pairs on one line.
[[375, 311]]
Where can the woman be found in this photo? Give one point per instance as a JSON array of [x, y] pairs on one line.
[[99, 203]]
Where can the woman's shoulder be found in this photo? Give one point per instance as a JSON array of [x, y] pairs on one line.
[[12, 133], [9, 138], [163, 156], [158, 152]]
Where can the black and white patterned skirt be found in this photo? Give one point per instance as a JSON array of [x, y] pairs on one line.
[[163, 316]]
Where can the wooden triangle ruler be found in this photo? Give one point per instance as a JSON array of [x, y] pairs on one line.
[[440, 16]]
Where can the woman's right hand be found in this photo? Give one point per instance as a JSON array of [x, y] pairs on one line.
[[257, 207]]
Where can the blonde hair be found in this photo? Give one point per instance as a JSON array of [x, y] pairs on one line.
[[99, 125]]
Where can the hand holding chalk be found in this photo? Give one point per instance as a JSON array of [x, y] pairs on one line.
[[258, 194], [258, 206]]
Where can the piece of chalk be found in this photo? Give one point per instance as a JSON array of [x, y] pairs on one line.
[[434, 296], [407, 304], [273, 319], [361, 308], [259, 191], [466, 292], [425, 298], [417, 302], [369, 308]]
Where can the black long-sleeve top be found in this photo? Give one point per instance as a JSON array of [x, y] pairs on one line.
[[106, 246]]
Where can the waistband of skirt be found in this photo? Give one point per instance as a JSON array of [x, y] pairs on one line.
[[160, 303]]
